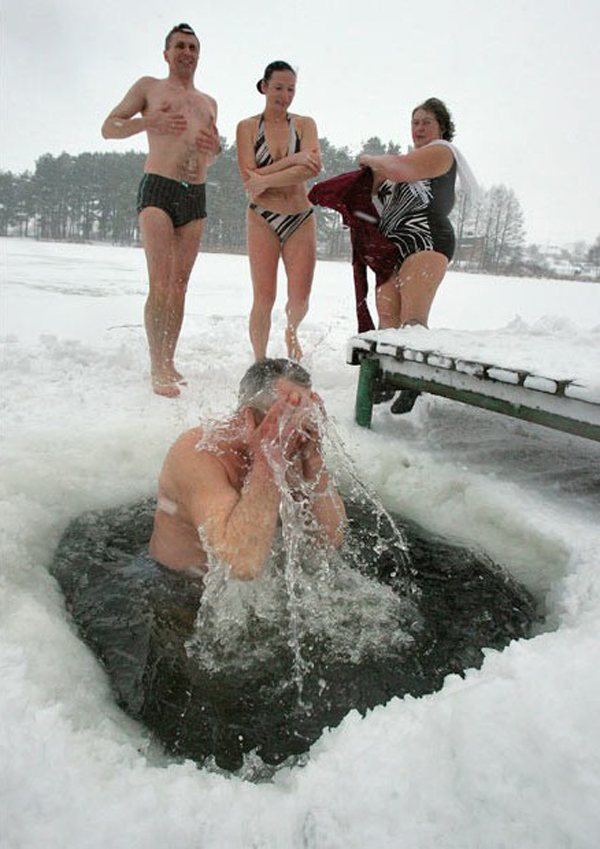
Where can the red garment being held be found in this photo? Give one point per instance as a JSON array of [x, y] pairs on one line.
[[351, 195]]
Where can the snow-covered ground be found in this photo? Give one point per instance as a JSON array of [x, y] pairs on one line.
[[509, 756]]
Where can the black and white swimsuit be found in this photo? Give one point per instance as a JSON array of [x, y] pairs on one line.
[[282, 224], [414, 216], [262, 154]]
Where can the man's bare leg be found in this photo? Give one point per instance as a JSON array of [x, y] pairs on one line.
[[170, 255], [263, 253], [185, 252], [158, 236], [299, 257]]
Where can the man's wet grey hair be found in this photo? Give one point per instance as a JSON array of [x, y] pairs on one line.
[[257, 386]]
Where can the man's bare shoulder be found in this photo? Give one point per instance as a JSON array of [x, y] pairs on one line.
[[192, 449], [208, 97], [186, 444], [146, 83], [136, 99], [189, 463]]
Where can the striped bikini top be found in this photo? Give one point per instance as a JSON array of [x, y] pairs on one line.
[[262, 154]]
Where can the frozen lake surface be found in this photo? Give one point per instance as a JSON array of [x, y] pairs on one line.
[[509, 756]]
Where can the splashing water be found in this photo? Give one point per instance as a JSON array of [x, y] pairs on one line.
[[227, 670], [309, 600]]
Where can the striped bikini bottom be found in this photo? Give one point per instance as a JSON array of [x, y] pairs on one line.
[[283, 225]]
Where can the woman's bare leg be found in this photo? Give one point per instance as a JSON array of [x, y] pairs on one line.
[[387, 300], [407, 296], [263, 253], [419, 277], [406, 300], [299, 258]]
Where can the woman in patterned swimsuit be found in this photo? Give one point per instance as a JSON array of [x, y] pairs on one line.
[[277, 153], [416, 193]]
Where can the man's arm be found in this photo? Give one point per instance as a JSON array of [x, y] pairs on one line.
[[237, 527], [310, 480], [326, 506], [122, 121]]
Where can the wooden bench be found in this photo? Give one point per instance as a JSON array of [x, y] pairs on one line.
[[428, 361]]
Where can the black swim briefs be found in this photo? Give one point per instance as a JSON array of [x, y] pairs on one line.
[[183, 202]]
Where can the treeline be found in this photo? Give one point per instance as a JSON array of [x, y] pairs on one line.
[[490, 231], [92, 196]]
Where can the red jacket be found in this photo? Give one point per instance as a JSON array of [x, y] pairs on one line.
[[350, 194]]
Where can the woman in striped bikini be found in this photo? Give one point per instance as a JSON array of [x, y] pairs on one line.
[[277, 153]]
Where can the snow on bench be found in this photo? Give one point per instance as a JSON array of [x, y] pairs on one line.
[[544, 378]]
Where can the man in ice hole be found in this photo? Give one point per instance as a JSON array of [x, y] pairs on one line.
[[222, 490], [180, 123]]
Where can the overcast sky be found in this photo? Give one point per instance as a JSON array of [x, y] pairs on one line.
[[522, 78]]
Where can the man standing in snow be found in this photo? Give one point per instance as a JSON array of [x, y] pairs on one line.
[[180, 123]]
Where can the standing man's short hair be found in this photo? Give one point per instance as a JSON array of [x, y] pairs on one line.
[[257, 385], [186, 28]]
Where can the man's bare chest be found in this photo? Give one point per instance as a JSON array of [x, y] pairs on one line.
[[196, 107]]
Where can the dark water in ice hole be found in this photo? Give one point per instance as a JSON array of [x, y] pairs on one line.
[[219, 670]]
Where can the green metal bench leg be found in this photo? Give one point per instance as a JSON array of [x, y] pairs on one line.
[[369, 370]]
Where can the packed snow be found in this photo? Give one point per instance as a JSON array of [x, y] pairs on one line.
[[463, 360], [517, 348], [508, 756]]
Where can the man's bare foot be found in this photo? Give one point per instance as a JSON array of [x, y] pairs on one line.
[[175, 375], [293, 346], [166, 385]]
